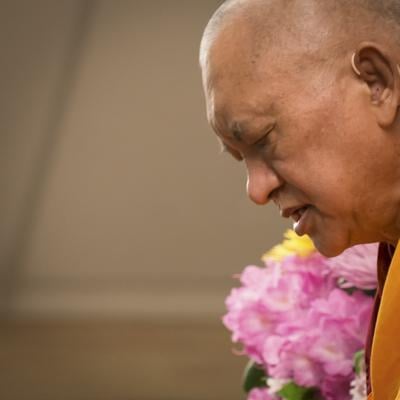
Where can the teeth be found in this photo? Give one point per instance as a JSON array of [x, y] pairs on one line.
[[296, 220], [297, 215]]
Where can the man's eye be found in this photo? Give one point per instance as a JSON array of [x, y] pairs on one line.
[[262, 142]]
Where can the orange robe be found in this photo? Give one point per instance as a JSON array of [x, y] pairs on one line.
[[384, 363]]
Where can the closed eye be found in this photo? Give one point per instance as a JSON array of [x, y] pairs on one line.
[[261, 143]]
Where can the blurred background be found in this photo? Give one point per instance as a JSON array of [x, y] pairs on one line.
[[121, 224]]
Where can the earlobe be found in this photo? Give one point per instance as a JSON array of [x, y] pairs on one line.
[[375, 67]]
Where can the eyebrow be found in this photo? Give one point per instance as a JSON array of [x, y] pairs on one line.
[[235, 128], [237, 131]]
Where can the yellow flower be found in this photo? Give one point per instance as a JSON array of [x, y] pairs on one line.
[[292, 244]]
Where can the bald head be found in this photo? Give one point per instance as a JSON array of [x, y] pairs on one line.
[[324, 30]]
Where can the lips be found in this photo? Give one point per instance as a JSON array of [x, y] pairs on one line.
[[294, 212], [301, 218]]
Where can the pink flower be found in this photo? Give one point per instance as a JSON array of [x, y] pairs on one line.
[[356, 267], [292, 317], [339, 330], [248, 318], [289, 358], [261, 394], [336, 388], [344, 313]]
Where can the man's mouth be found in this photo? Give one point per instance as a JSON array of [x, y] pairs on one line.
[[294, 212], [299, 215]]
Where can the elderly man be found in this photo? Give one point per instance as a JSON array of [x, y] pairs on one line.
[[306, 93]]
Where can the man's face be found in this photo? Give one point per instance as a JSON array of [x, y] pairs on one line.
[[310, 144]]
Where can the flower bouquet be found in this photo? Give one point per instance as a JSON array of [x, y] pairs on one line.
[[302, 319]]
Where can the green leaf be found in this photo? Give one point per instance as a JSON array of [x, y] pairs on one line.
[[254, 376], [350, 290], [359, 361], [371, 292], [291, 391]]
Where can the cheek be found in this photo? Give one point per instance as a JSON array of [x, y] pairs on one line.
[[316, 154], [316, 175]]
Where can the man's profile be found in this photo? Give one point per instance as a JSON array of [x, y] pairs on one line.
[[306, 93]]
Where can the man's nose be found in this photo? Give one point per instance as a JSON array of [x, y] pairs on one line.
[[261, 182]]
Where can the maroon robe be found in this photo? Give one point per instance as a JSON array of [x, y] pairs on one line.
[[385, 255]]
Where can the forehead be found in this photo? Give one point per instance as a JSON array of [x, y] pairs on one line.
[[238, 111], [243, 85], [236, 75], [242, 97]]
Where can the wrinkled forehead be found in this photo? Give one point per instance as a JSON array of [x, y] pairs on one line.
[[241, 90], [231, 100]]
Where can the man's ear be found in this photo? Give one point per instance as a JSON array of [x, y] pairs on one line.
[[381, 73]]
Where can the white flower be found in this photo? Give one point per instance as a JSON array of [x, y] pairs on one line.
[[275, 385], [358, 389]]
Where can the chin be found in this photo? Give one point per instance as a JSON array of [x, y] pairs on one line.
[[329, 247]]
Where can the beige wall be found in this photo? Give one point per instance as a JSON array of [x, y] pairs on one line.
[[115, 200]]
